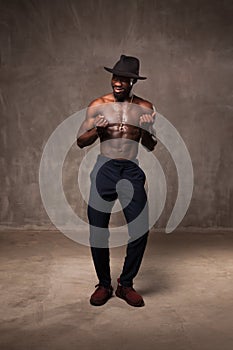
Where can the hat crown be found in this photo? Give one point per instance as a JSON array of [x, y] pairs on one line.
[[127, 64]]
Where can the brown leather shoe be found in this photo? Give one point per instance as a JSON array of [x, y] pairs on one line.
[[130, 295], [101, 295]]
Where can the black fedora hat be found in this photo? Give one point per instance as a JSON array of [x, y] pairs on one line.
[[127, 66]]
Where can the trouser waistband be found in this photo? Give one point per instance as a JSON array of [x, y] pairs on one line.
[[101, 157]]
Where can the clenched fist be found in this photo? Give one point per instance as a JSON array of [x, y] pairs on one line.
[[146, 120], [100, 121]]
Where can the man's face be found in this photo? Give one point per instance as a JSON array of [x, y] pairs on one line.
[[121, 87]]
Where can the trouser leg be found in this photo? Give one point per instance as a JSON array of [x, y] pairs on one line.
[[134, 254], [99, 221], [136, 214], [100, 256]]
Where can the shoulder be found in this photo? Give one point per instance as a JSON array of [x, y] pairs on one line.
[[142, 102], [98, 101], [101, 100]]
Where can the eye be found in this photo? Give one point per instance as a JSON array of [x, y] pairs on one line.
[[121, 79]]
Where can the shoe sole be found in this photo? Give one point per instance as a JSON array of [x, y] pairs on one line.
[[128, 302]]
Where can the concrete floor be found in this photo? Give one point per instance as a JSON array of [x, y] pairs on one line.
[[185, 279]]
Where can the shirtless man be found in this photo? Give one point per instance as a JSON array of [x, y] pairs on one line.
[[120, 120]]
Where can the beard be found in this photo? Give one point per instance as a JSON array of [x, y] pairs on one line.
[[121, 96]]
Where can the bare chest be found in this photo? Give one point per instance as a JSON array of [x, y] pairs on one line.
[[122, 113]]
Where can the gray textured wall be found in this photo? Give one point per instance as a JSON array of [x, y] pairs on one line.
[[52, 58]]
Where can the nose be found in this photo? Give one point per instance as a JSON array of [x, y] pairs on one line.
[[118, 82]]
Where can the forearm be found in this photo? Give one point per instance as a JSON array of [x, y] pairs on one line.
[[87, 138], [148, 139]]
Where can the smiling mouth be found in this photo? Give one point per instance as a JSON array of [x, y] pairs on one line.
[[118, 90]]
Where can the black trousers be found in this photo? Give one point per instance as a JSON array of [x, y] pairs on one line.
[[105, 178]]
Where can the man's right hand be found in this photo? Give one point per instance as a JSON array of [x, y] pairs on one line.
[[100, 121]]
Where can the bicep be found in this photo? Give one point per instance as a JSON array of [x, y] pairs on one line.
[[88, 123]]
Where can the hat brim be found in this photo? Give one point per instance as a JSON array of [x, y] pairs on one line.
[[124, 74]]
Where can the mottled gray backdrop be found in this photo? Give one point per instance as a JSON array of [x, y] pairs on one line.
[[52, 58]]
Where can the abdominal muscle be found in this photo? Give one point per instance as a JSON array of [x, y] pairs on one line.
[[119, 141]]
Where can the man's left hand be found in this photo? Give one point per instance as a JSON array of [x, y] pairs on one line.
[[146, 120]]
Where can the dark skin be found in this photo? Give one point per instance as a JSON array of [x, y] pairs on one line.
[[118, 118]]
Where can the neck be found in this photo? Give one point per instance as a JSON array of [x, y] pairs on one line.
[[128, 98]]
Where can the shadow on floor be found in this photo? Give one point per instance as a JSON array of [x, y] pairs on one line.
[[153, 282]]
